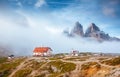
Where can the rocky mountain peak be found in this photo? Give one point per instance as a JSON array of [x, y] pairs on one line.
[[77, 29], [91, 29], [77, 24]]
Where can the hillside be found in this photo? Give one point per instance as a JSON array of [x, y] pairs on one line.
[[61, 66]]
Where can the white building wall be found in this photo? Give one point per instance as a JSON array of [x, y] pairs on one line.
[[48, 53]]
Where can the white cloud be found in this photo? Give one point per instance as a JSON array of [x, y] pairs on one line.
[[46, 31], [54, 30], [40, 3], [19, 4], [109, 7], [109, 11]]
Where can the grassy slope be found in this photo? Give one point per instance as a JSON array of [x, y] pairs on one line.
[[6, 67], [53, 67]]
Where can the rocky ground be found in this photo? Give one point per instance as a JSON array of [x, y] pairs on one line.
[[61, 66]]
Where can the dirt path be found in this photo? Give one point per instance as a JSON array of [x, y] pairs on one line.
[[74, 73], [19, 67]]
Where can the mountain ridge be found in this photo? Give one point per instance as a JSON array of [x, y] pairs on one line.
[[93, 31]]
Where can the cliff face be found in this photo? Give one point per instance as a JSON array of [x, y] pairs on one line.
[[77, 30], [95, 32], [92, 29]]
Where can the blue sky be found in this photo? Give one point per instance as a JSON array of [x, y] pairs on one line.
[[105, 13], [31, 23]]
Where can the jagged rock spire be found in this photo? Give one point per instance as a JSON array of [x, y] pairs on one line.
[[78, 29], [92, 28], [92, 31]]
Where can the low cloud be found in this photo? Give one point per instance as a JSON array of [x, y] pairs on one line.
[[45, 32], [54, 30], [23, 31]]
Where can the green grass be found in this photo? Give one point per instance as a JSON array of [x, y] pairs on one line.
[[63, 66], [41, 75], [3, 59], [36, 65], [113, 61], [30, 66], [58, 55], [7, 67], [60, 66], [55, 58], [54, 75], [23, 72], [72, 58]]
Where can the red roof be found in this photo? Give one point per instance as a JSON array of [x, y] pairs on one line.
[[41, 49]]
